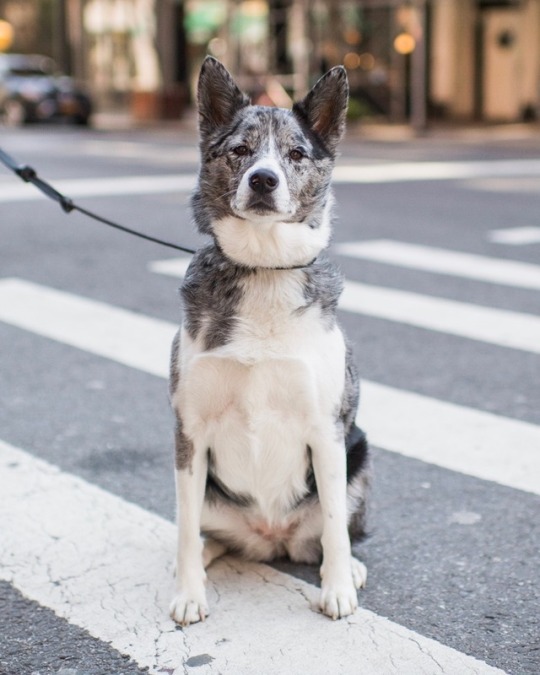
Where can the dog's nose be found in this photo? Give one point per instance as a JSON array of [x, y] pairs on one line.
[[263, 181]]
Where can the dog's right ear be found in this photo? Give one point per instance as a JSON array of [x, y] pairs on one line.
[[219, 99]]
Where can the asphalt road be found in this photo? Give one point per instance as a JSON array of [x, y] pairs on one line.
[[455, 543]]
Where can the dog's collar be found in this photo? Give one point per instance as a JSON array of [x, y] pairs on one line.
[[293, 267], [272, 269]]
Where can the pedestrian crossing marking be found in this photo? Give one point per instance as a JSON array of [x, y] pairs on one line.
[[454, 437], [515, 236], [503, 328], [105, 565], [443, 261], [101, 187], [385, 172], [118, 334], [172, 267], [397, 172], [472, 442]]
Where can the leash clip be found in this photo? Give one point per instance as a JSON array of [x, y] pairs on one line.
[[66, 203], [26, 173]]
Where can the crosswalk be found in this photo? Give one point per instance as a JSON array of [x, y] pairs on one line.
[[467, 440], [105, 564], [516, 236], [61, 552], [472, 442], [443, 261]]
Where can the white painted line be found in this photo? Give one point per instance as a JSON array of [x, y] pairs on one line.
[[509, 184], [101, 187], [499, 327], [142, 152], [490, 447], [503, 328], [172, 267], [375, 173], [429, 171], [105, 565], [516, 236], [129, 338], [461, 439], [442, 261]]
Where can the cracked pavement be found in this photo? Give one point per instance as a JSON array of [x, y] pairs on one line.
[[106, 567]]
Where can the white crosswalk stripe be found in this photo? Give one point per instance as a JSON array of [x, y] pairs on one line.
[[442, 261], [503, 328], [101, 187], [434, 171], [115, 582], [343, 174], [473, 442], [516, 236]]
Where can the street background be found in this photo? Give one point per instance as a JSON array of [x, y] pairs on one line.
[[451, 556], [438, 234]]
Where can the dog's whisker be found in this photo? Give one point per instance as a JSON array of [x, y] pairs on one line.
[[229, 193]]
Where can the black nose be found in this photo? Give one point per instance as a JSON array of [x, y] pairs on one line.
[[263, 181]]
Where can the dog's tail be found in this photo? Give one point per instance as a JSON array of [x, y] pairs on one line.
[[358, 480]]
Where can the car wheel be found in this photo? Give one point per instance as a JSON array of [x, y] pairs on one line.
[[82, 120], [14, 113]]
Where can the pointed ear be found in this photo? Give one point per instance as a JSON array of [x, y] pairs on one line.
[[325, 107], [218, 96]]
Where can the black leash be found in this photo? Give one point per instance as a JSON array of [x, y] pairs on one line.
[[29, 175]]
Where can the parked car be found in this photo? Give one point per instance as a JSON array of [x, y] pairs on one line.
[[32, 90]]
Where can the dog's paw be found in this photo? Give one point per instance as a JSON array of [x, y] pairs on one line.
[[338, 600], [187, 608], [338, 594], [359, 573]]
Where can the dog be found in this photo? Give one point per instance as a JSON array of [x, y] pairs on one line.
[[269, 461]]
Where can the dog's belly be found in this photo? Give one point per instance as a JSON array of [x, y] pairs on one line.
[[256, 420]]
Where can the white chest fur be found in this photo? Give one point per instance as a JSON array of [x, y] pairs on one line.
[[257, 400]]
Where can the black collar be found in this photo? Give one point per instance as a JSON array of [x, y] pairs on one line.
[[294, 267]]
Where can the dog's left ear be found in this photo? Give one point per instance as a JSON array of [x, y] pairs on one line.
[[325, 107], [218, 96]]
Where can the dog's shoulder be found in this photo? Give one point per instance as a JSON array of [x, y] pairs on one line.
[[211, 272], [211, 293], [323, 285]]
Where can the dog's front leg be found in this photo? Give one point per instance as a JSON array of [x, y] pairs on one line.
[[189, 603], [338, 584]]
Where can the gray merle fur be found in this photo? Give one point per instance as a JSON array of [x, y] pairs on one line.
[[211, 293]]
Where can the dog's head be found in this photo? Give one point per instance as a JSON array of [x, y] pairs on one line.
[[264, 183]]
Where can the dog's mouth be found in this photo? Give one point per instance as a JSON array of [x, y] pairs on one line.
[[261, 205], [264, 207]]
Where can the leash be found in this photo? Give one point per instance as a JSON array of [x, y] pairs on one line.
[[29, 175]]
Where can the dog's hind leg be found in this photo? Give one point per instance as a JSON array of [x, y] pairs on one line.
[[212, 549], [359, 572], [304, 546]]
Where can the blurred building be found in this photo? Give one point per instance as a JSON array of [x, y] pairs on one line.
[[408, 60]]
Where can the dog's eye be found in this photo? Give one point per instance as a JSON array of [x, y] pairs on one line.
[[241, 150], [296, 154]]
